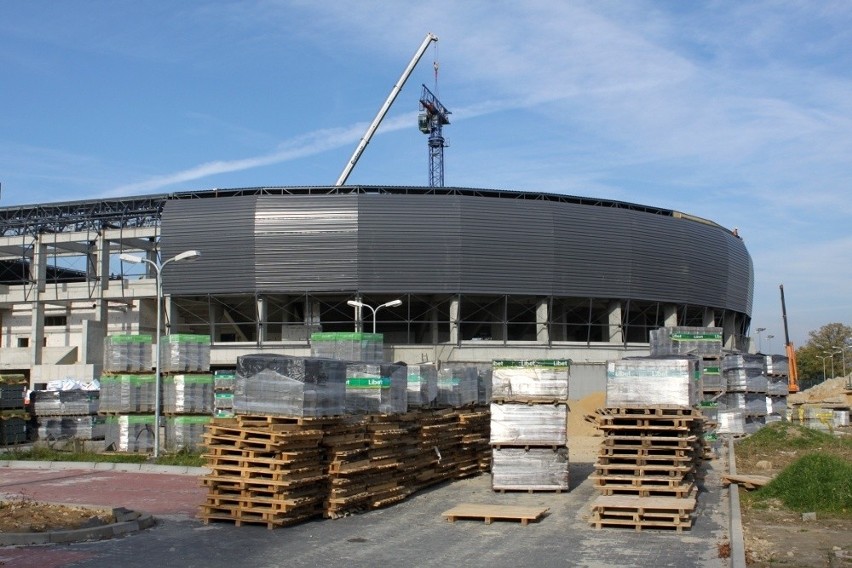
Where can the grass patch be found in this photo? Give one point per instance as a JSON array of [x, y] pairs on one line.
[[782, 443], [817, 482], [39, 453]]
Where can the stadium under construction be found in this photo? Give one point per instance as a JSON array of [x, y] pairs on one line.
[[479, 274]]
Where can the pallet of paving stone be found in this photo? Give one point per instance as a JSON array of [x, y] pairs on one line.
[[641, 513], [490, 513]]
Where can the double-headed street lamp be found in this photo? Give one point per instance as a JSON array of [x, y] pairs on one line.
[[158, 270], [391, 304], [759, 331]]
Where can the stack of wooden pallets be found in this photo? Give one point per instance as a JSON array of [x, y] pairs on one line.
[[264, 470], [646, 467]]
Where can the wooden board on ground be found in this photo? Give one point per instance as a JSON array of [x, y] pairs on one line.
[[747, 481], [490, 513]]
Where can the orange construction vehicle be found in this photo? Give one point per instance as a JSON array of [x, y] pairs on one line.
[[793, 372]]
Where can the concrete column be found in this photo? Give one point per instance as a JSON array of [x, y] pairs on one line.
[[709, 317], [262, 317], [170, 316], [614, 316], [454, 320], [670, 315], [433, 324], [99, 251], [38, 274], [542, 330], [729, 331]]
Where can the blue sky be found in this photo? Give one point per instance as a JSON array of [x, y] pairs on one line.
[[738, 112]]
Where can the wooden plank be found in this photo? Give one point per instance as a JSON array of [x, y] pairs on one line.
[[747, 481], [490, 513]]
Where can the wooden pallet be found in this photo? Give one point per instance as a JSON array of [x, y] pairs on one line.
[[642, 512], [490, 513]]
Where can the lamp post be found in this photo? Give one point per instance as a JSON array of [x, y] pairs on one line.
[[759, 331], [832, 354], [824, 376], [391, 304], [158, 270]]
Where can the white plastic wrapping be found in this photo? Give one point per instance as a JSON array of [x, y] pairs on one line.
[[130, 433], [731, 422], [529, 424], [683, 340], [279, 385], [458, 386], [187, 394], [651, 381], [530, 379], [128, 354], [532, 468]]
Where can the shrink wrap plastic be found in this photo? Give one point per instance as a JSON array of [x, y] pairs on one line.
[[64, 403], [133, 433], [422, 385], [699, 341], [528, 424], [185, 353], [519, 468], [185, 432], [187, 394], [530, 379], [289, 386], [348, 346], [642, 382], [127, 393], [376, 388], [128, 354], [71, 427], [458, 386]]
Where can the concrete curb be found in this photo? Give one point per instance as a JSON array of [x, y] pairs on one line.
[[736, 528], [105, 466], [126, 522]]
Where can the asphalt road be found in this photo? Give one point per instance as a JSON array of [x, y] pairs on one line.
[[411, 533]]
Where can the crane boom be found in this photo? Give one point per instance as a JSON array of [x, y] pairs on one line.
[[793, 370], [383, 111]]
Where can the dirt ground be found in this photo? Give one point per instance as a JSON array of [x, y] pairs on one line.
[[775, 536], [24, 515]]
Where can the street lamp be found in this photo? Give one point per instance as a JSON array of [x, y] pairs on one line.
[[824, 376], [391, 304], [158, 270], [832, 354], [759, 331]]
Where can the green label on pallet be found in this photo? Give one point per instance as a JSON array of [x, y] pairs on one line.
[[368, 382], [682, 336]]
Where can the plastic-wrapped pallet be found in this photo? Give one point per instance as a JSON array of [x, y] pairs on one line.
[[376, 388], [777, 386], [652, 381], [731, 422], [187, 394], [777, 365], [13, 430], [528, 424], [128, 354], [185, 353], [699, 341], [483, 372], [185, 432], [543, 469], [422, 385], [127, 393], [711, 375], [752, 404], [71, 427], [752, 380], [543, 379], [458, 386], [348, 346], [12, 396], [64, 403], [223, 404], [279, 385], [224, 380], [130, 433]]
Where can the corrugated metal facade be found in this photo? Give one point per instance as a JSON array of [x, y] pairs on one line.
[[439, 244]]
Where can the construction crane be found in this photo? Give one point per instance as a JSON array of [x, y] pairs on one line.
[[384, 110], [431, 120], [793, 370]]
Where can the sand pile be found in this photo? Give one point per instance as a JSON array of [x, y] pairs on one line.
[[830, 391]]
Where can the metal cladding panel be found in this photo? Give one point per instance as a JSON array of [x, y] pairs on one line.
[[440, 243], [507, 246], [223, 231], [306, 243], [409, 243]]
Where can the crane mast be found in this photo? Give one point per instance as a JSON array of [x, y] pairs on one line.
[[384, 110], [431, 120], [793, 369]]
